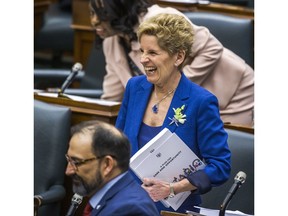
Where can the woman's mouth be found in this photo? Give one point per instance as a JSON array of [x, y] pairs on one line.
[[99, 31], [150, 70]]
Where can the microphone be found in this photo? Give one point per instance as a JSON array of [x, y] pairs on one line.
[[75, 202], [238, 181], [75, 69]]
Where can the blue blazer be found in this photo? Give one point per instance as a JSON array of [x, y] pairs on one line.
[[203, 130], [126, 197]]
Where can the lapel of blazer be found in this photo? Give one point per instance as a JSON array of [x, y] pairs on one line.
[[123, 182], [139, 105], [181, 97]]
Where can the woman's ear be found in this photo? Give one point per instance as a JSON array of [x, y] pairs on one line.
[[180, 58]]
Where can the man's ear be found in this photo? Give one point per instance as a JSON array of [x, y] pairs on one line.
[[108, 164]]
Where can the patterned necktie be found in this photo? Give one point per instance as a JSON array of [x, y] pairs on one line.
[[87, 210]]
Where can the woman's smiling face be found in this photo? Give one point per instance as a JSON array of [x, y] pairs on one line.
[[158, 64], [102, 28]]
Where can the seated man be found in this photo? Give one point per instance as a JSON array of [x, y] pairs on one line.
[[98, 163]]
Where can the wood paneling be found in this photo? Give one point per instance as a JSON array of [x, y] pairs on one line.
[[186, 5], [83, 111], [84, 34], [40, 6]]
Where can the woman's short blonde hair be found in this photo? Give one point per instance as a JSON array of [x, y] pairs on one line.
[[174, 33]]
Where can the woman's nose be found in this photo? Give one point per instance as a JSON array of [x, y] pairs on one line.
[[94, 20], [143, 59]]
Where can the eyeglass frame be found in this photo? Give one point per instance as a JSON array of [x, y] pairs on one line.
[[80, 162]]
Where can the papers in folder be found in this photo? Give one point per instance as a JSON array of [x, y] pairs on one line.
[[166, 157]]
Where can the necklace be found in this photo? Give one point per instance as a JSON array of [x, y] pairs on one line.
[[155, 107]]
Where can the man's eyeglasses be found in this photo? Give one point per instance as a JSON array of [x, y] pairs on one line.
[[78, 162]]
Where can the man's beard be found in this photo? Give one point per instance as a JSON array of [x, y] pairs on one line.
[[83, 188]]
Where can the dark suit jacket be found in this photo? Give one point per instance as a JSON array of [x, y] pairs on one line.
[[126, 197], [203, 130]]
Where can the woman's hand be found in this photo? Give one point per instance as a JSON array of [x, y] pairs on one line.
[[156, 189]]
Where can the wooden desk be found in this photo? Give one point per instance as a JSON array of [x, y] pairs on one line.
[[168, 213], [190, 5], [84, 34], [84, 111], [242, 128]]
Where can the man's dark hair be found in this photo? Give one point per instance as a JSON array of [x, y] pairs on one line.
[[106, 140]]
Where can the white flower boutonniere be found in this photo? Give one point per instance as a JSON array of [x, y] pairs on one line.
[[178, 117]]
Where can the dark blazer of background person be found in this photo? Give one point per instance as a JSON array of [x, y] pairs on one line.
[[125, 198]]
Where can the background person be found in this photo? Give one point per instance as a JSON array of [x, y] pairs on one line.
[[98, 160], [209, 64], [149, 102]]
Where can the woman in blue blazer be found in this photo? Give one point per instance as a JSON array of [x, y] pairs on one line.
[[151, 101]]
